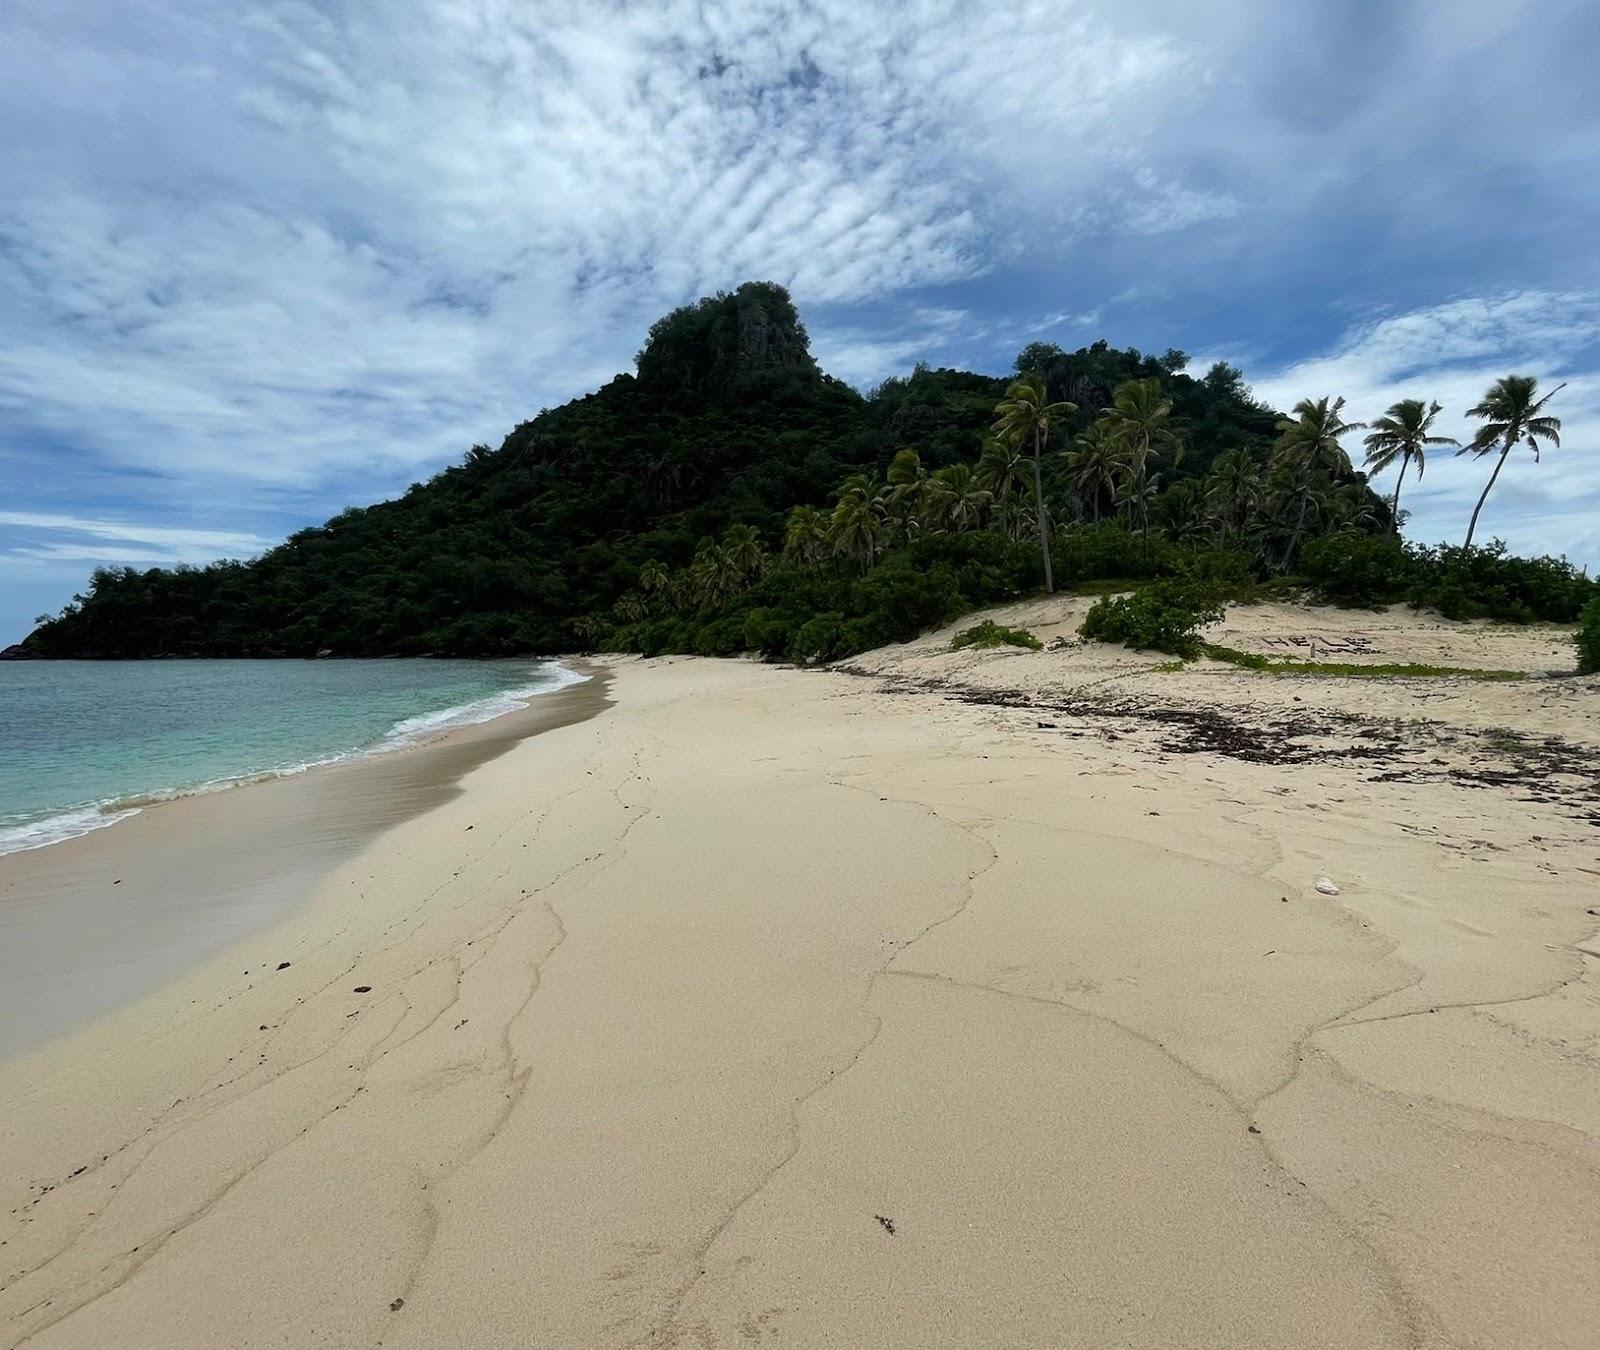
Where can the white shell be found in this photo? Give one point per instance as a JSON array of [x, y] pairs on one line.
[[1326, 886]]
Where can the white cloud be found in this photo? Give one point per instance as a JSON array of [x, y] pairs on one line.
[[286, 255], [158, 541], [297, 245]]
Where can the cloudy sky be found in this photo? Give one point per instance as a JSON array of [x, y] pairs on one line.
[[259, 261]]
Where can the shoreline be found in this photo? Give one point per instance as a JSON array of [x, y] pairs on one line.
[[91, 922], [66, 823]]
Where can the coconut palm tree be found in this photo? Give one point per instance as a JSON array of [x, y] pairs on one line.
[[1004, 473], [1402, 434], [1135, 496], [1308, 444], [805, 535], [1183, 512], [1024, 415], [955, 500], [1234, 489], [856, 528], [743, 548], [1139, 422], [1095, 466], [905, 482], [653, 577], [713, 577], [1351, 506], [1510, 415]]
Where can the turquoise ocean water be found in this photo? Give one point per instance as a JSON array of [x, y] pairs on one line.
[[82, 744]]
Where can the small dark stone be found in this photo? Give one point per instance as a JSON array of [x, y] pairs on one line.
[[472, 827], [399, 1303], [117, 882], [363, 989], [262, 1027], [283, 965], [1255, 1129], [888, 1224]]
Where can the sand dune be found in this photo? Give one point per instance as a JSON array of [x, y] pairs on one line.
[[961, 1000]]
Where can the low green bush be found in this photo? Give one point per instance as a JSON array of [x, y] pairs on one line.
[[991, 634], [983, 563], [818, 639], [1588, 637], [1165, 616], [1357, 570], [1232, 572], [1106, 549], [1460, 583], [1489, 583]]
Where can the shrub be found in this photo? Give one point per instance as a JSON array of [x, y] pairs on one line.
[[1588, 637], [656, 637], [1106, 549], [1357, 569], [819, 639], [986, 566], [1467, 583], [990, 634], [898, 601], [720, 637], [1231, 570], [1165, 616], [768, 632]]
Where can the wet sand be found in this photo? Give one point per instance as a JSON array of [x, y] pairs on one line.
[[92, 922]]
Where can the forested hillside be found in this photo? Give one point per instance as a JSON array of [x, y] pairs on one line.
[[588, 523]]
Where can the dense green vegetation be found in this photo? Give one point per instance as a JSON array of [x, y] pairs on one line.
[[1589, 639], [1459, 582], [988, 634], [1164, 616], [730, 496]]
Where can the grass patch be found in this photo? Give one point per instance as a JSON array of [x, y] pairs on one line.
[[1349, 669], [991, 634]]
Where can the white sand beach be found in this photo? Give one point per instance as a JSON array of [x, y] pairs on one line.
[[977, 999]]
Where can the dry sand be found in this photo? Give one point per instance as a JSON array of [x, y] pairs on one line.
[[88, 924], [963, 1000]]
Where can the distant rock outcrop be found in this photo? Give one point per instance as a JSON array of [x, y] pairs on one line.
[[726, 342]]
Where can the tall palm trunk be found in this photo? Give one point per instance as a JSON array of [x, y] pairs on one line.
[[1299, 524], [1038, 497], [1144, 512], [1472, 525], [1394, 505]]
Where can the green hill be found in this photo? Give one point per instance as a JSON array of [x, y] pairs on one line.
[[531, 547]]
